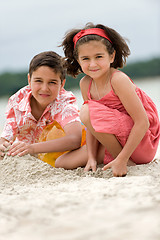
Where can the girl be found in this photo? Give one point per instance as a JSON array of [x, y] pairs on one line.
[[122, 121]]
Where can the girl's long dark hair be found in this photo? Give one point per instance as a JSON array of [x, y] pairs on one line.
[[71, 54]]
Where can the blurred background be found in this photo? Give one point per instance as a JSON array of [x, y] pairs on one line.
[[30, 27]]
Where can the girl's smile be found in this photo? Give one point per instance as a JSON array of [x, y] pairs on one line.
[[94, 59]]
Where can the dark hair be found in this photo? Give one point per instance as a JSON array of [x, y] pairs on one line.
[[71, 55], [49, 59]]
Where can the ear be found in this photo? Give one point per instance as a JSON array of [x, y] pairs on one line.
[[29, 80], [112, 56], [63, 83]]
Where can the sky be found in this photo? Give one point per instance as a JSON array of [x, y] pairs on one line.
[[28, 27]]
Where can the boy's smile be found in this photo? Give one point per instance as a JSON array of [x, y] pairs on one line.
[[45, 85]]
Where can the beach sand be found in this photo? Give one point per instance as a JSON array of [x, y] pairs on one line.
[[40, 202]]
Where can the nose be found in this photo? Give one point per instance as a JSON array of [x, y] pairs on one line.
[[44, 86], [92, 63]]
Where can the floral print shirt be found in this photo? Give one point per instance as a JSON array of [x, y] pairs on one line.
[[20, 123]]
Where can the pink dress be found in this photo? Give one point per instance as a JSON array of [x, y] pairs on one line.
[[108, 115]]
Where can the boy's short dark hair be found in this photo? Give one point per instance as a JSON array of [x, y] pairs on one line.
[[49, 59]]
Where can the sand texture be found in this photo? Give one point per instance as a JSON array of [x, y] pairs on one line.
[[40, 202]]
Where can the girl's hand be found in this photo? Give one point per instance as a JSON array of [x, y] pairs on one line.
[[91, 164], [119, 168], [20, 148]]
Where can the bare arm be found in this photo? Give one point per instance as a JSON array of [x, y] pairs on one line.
[[92, 150], [133, 105], [125, 90], [91, 141], [71, 141]]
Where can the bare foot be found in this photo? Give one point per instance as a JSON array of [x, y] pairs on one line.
[[130, 163]]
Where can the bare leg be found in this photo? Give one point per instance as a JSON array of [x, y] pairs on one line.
[[131, 163], [113, 146], [109, 141], [78, 158], [73, 159]]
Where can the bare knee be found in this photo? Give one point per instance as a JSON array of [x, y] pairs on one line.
[[84, 114], [59, 163]]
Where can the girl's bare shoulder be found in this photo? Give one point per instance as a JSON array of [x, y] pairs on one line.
[[120, 80], [84, 85], [119, 75], [84, 82]]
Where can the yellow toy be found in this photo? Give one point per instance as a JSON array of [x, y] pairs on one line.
[[54, 131]]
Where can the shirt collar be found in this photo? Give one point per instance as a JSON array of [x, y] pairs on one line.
[[24, 104]]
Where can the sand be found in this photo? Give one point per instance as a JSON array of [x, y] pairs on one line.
[[40, 202]]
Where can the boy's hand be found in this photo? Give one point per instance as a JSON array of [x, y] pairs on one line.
[[3, 148], [91, 164], [19, 148], [119, 168]]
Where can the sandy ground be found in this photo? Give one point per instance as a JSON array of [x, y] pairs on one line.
[[39, 202]]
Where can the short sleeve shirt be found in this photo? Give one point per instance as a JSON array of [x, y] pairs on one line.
[[20, 123]]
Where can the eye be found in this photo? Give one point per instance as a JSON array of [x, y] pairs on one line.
[[38, 80], [99, 56], [53, 82], [85, 58]]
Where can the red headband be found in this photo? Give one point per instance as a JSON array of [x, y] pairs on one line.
[[96, 31]]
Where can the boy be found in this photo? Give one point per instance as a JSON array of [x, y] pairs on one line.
[[39, 104]]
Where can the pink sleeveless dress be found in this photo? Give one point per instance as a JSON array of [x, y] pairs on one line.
[[108, 115]]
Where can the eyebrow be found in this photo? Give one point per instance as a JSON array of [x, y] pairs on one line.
[[83, 56], [95, 55], [39, 78]]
